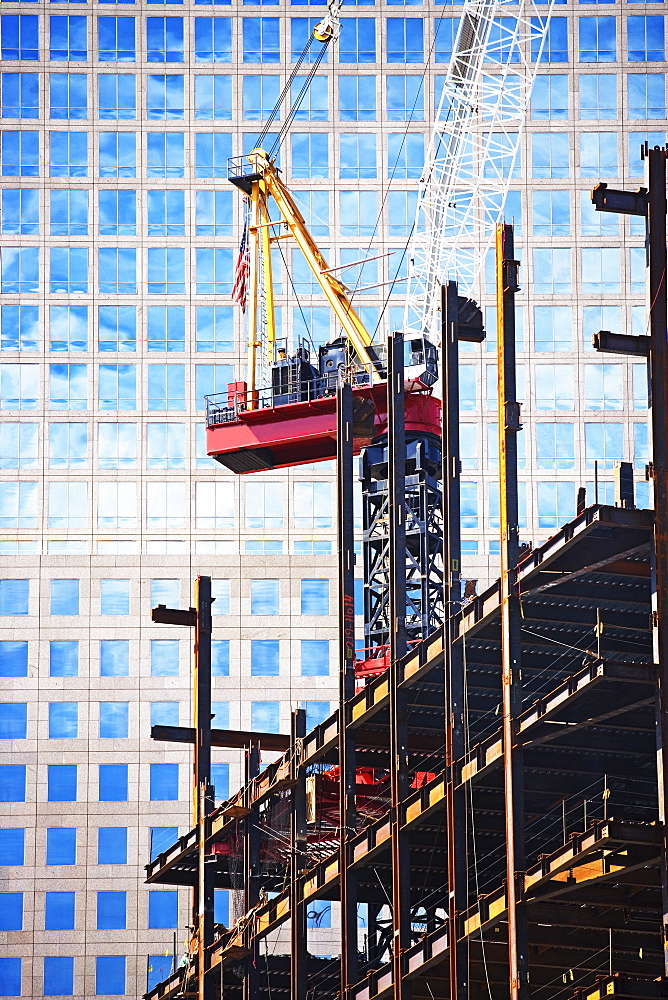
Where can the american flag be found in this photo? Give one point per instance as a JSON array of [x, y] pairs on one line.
[[240, 286]]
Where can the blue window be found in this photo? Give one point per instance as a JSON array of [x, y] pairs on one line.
[[68, 39], [118, 275], [161, 838], [166, 328], [166, 213], [160, 967], [12, 785], [598, 39], [19, 36], [112, 845], [164, 713], [19, 154], [265, 657], [69, 213], [164, 39], [604, 444], [314, 107], [20, 212], [220, 779], [316, 713], [117, 387], [319, 914], [69, 269], [405, 42], [18, 450], [19, 328], [113, 720], [315, 597], [164, 97], [214, 329], [61, 783], [20, 95], [163, 907], [20, 269], [59, 911], [598, 96], [211, 379], [14, 658], [111, 911], [164, 657], [13, 720], [213, 271], [14, 597], [213, 39], [166, 449], [63, 720], [260, 94], [68, 95], [113, 782], [549, 99], [220, 711], [265, 716], [646, 41], [405, 98], [166, 154], [166, 271], [68, 154], [220, 657], [117, 96], [265, 597], [68, 387], [214, 215], [117, 446], [556, 504], [118, 213], [110, 975], [18, 505], [114, 597], [213, 96], [118, 154], [116, 39], [68, 328], [166, 387], [164, 782], [10, 977], [12, 845], [261, 39], [357, 43], [647, 95], [212, 150], [315, 654], [636, 141], [61, 846], [166, 592], [446, 34], [64, 597], [58, 976], [68, 448], [11, 911]]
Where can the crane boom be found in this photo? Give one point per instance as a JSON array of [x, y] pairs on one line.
[[256, 175], [473, 150]]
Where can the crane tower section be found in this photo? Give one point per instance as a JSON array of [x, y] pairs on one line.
[[473, 150]]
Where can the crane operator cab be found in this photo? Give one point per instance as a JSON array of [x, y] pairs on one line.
[[306, 376]]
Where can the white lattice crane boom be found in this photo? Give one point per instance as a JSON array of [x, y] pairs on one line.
[[473, 149]]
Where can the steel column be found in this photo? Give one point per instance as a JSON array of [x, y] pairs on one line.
[[298, 922], [346, 550], [456, 818], [513, 778], [203, 793], [399, 774], [251, 984], [658, 370]]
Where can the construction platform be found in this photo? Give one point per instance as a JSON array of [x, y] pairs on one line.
[[586, 747]]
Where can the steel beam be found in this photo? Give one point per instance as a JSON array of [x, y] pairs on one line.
[[399, 767], [658, 371], [513, 776], [456, 818], [347, 736]]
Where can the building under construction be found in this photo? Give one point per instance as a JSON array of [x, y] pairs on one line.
[[486, 810]]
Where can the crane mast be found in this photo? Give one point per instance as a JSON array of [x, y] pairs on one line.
[[472, 152]]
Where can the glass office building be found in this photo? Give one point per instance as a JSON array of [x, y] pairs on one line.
[[119, 234]]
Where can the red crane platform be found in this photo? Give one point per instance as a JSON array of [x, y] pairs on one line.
[[247, 431]]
